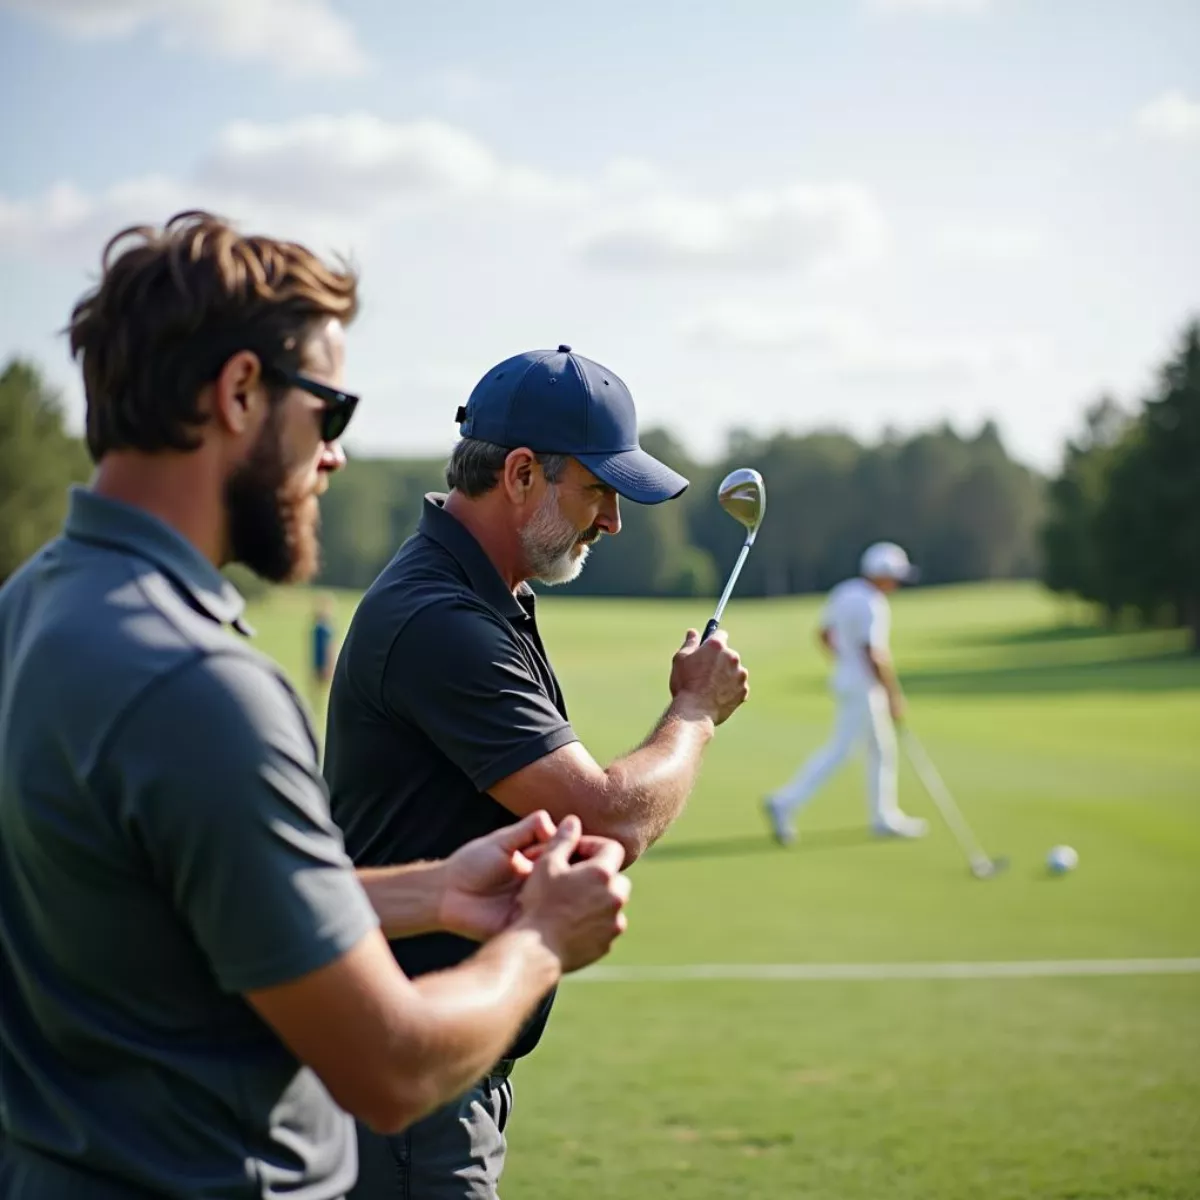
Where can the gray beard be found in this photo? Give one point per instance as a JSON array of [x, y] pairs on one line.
[[548, 541]]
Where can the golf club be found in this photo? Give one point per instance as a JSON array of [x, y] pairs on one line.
[[743, 495], [982, 866]]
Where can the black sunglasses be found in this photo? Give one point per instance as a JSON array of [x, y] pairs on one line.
[[339, 406]]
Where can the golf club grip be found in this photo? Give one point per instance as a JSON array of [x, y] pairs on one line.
[[710, 629]]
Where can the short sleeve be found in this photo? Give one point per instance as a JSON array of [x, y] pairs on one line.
[[458, 673], [879, 623], [218, 780]]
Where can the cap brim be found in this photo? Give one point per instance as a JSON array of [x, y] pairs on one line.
[[912, 575], [636, 475]]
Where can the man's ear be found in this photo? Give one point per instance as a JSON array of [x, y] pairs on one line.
[[237, 393], [520, 474]]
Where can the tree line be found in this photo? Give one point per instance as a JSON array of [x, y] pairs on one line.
[[961, 505], [1123, 521], [1119, 525]]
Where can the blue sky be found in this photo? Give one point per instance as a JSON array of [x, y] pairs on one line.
[[851, 213]]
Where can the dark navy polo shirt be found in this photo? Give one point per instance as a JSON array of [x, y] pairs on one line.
[[443, 688], [165, 847]]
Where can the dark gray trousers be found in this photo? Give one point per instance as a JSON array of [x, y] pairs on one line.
[[455, 1153]]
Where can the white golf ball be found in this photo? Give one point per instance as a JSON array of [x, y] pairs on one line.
[[1062, 859]]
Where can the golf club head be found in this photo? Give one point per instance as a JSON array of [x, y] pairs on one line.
[[743, 495], [986, 868]]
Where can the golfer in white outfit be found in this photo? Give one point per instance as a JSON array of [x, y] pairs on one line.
[[855, 626]]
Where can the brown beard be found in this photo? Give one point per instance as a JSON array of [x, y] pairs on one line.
[[269, 531]]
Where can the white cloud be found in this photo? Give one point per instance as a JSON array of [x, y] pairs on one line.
[[339, 162], [805, 226], [64, 216], [67, 224], [356, 162], [62, 207], [1170, 117], [298, 37], [931, 7], [322, 178], [332, 179], [844, 343], [978, 243]]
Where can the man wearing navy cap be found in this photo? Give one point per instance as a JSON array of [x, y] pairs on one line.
[[446, 719]]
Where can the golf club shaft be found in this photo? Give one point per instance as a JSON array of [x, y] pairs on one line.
[[940, 794], [711, 627]]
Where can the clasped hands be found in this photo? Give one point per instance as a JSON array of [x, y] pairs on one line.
[[557, 880]]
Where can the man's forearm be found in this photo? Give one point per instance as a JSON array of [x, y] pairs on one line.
[[882, 667], [650, 786], [406, 898], [473, 1012]]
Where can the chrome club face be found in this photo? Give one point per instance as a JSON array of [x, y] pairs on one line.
[[743, 495]]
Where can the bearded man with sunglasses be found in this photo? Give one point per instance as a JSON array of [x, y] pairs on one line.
[[195, 986]]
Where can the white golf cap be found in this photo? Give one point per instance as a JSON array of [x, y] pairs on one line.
[[886, 560]]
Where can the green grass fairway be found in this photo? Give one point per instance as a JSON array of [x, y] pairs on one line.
[[1047, 732]]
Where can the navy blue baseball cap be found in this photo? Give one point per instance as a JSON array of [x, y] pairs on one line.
[[558, 402]]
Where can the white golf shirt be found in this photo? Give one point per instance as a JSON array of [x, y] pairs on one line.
[[857, 615]]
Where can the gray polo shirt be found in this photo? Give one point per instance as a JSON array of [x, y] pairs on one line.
[[165, 846]]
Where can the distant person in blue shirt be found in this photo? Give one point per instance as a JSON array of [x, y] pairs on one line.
[[322, 648]]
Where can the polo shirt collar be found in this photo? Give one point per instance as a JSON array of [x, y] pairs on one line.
[[103, 521], [455, 538]]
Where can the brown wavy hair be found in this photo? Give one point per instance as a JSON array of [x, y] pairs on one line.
[[173, 305]]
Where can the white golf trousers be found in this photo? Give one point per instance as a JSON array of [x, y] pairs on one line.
[[863, 717]]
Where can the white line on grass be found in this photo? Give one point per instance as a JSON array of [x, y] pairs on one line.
[[846, 972]]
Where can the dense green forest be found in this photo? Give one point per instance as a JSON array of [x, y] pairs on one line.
[[1123, 526], [961, 505]]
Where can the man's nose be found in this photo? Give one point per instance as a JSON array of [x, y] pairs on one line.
[[609, 518], [333, 457]]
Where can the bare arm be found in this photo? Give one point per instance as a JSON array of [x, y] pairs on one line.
[[634, 799], [880, 663], [637, 797], [391, 1049], [406, 898]]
